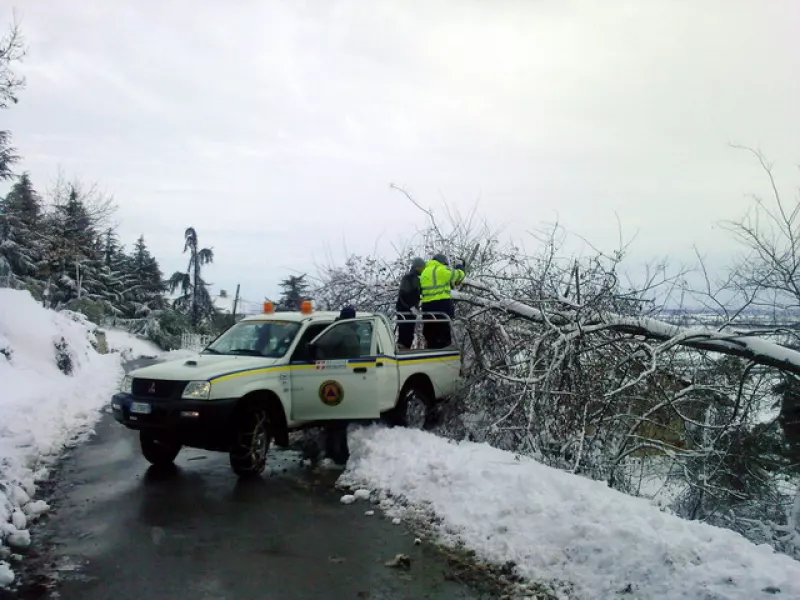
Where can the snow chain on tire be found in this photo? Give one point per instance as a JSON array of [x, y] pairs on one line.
[[248, 456]]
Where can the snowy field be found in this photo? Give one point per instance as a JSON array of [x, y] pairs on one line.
[[580, 536], [42, 409]]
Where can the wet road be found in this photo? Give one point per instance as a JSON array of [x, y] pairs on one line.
[[120, 529]]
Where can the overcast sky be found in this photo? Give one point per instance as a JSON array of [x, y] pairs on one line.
[[275, 128]]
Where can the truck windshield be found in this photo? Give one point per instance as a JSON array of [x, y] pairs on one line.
[[270, 339]]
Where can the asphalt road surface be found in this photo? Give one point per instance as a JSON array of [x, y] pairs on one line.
[[122, 530]]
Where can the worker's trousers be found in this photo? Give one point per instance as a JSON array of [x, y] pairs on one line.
[[406, 322], [437, 335]]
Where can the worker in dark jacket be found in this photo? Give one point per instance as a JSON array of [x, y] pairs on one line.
[[408, 297]]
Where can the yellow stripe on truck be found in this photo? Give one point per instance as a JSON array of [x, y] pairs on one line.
[[249, 372], [277, 368]]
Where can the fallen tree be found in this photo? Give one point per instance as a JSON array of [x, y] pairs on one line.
[[742, 344], [565, 363]]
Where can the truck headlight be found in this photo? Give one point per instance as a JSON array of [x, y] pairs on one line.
[[126, 385], [197, 390]]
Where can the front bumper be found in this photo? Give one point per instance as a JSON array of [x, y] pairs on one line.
[[203, 419]]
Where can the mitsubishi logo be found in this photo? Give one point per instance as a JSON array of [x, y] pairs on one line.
[[152, 389]]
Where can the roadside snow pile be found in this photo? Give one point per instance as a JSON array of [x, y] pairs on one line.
[[584, 539], [130, 346], [52, 385]]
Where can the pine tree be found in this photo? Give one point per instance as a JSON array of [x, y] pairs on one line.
[[75, 253], [147, 287], [21, 243], [114, 273], [295, 290], [195, 299]]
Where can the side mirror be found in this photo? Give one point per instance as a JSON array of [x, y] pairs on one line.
[[312, 352]]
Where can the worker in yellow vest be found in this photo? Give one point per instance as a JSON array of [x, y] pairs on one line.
[[437, 281]]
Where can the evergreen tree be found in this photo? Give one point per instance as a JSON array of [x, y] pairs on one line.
[[21, 243], [113, 252], [195, 299], [295, 290], [147, 287], [75, 252], [114, 273]]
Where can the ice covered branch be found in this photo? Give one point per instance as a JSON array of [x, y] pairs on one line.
[[758, 350]]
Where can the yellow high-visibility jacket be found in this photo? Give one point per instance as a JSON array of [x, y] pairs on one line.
[[437, 280]]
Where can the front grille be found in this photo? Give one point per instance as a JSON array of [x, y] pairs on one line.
[[157, 388]]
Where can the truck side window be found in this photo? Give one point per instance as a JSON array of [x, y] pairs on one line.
[[349, 339], [301, 351]]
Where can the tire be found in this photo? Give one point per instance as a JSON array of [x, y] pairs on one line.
[[414, 409], [158, 452], [252, 437]]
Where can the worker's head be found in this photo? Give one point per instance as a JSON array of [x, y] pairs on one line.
[[348, 312], [440, 258], [418, 264]]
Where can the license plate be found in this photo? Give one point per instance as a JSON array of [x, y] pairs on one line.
[[141, 408]]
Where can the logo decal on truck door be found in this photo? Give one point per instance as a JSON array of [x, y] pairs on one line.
[[322, 365], [331, 393]]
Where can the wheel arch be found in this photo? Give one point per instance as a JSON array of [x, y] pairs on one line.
[[274, 407], [421, 382]]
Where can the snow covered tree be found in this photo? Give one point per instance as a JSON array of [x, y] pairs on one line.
[[295, 290], [75, 250], [146, 286], [114, 273], [11, 51], [12, 255], [564, 362], [20, 240], [195, 299]]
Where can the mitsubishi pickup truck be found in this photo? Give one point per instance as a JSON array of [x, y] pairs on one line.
[[272, 373]]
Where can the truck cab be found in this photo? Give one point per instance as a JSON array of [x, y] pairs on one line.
[[276, 372]]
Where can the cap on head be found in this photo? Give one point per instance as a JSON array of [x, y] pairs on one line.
[[348, 312], [418, 263], [440, 258]]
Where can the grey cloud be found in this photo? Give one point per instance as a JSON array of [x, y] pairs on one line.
[[289, 120]]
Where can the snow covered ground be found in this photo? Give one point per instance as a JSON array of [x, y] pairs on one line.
[[577, 535], [129, 346], [42, 409]]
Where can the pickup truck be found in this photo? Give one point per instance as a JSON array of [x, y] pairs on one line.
[[272, 373]]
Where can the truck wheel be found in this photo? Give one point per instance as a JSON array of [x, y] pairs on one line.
[[414, 409], [248, 455], [158, 452]]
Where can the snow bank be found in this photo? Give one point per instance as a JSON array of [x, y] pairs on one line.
[[41, 408], [130, 346], [579, 536]]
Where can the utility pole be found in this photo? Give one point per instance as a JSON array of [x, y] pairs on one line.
[[235, 302]]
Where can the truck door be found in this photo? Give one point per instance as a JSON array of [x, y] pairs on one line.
[[341, 383], [386, 367]]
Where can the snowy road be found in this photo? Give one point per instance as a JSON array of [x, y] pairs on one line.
[[118, 530]]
